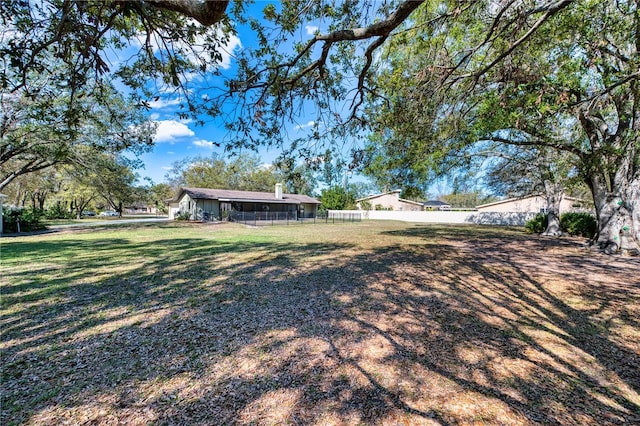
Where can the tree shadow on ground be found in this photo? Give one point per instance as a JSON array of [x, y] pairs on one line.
[[428, 326]]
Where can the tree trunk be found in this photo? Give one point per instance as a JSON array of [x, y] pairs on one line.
[[553, 194], [41, 196], [633, 201], [612, 171], [617, 214]]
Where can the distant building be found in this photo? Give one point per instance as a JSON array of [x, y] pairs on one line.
[[387, 201], [534, 204], [436, 205]]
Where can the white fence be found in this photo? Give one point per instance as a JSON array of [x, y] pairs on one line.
[[452, 217]]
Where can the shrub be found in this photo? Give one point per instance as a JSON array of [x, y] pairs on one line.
[[57, 212], [582, 224], [29, 220], [365, 205], [538, 224], [184, 215]]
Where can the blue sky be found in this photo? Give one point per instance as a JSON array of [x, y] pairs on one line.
[[176, 138]]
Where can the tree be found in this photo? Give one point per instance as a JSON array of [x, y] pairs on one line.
[[78, 188], [567, 87], [37, 134], [56, 82], [332, 69], [297, 178], [114, 181], [158, 194], [337, 198], [244, 172], [521, 171], [385, 162], [71, 42], [35, 187]]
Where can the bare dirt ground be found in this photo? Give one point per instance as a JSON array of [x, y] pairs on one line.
[[372, 323]]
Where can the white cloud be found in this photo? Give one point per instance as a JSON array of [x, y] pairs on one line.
[[166, 168], [311, 29], [164, 103], [202, 143], [170, 130], [305, 126], [228, 50]]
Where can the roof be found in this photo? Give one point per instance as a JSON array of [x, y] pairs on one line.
[[435, 203], [378, 195], [245, 196], [410, 202]]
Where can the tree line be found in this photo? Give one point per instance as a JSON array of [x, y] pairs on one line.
[[111, 183]]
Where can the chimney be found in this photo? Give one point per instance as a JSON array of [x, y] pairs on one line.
[[279, 191]]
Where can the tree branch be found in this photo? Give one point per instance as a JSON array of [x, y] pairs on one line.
[[206, 12], [551, 144], [550, 11], [382, 28]]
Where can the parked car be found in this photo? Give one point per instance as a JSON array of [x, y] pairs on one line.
[[88, 213], [109, 213]]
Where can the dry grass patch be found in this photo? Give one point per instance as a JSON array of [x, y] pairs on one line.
[[370, 323]]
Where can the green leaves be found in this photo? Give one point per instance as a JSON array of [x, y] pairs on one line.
[[244, 172]]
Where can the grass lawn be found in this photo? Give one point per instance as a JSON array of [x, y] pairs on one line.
[[95, 219], [345, 324]]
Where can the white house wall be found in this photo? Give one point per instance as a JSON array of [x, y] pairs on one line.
[[440, 216], [531, 204], [187, 204], [535, 204]]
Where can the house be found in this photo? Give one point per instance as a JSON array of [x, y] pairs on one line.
[[533, 204], [387, 201], [216, 204], [436, 205]]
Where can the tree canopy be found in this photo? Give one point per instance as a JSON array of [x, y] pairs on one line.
[[168, 42], [568, 88], [244, 172]]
